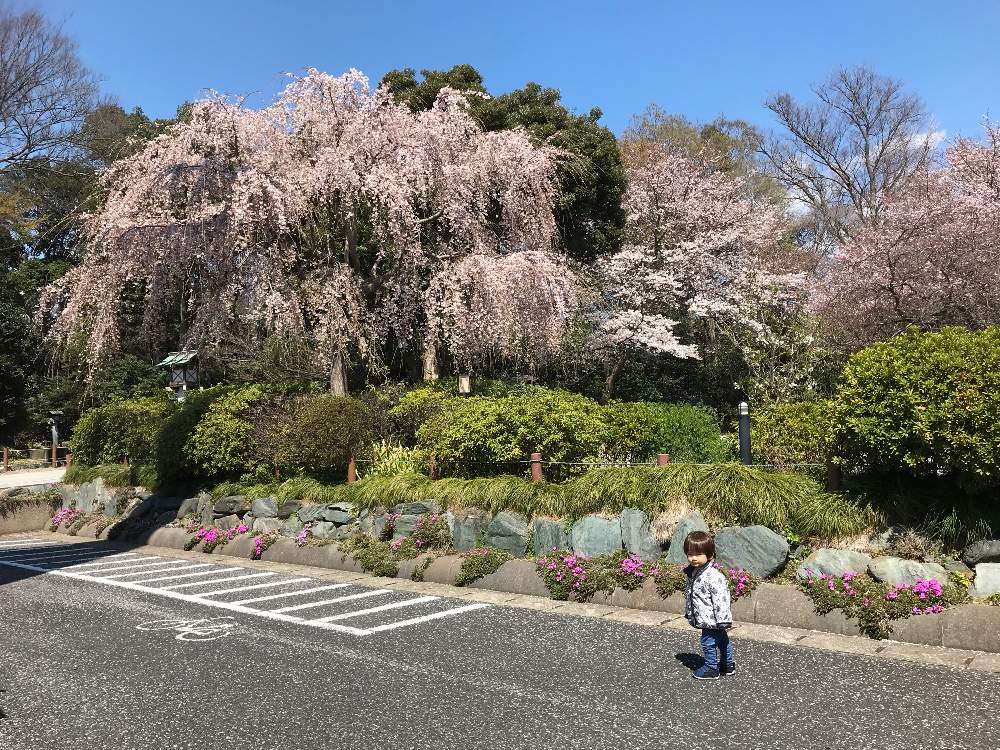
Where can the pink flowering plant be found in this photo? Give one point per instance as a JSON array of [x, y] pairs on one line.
[[303, 536], [875, 605], [431, 532], [670, 578], [567, 575], [63, 516], [211, 537], [479, 562], [261, 543], [389, 527]]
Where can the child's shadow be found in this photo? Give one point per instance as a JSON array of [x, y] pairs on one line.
[[691, 661]]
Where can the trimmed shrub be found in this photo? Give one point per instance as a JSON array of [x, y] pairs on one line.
[[323, 433], [173, 465], [417, 407], [109, 433], [222, 442], [923, 405], [640, 430], [789, 434], [483, 435]]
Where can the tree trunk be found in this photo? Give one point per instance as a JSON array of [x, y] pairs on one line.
[[609, 382], [338, 375], [430, 369]]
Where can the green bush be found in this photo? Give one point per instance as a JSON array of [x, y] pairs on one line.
[[172, 464], [789, 434], [480, 431], [222, 442], [640, 430], [323, 433], [923, 405], [415, 408], [109, 433]]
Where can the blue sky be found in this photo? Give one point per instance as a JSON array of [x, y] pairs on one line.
[[701, 59]]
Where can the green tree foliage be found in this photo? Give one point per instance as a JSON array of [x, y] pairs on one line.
[[127, 428], [173, 465], [222, 443], [642, 429], [18, 355], [923, 405], [592, 178]]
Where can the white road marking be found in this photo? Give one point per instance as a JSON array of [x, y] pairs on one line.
[[278, 615], [365, 595], [8, 544], [208, 629], [425, 618], [255, 586], [55, 556], [102, 574], [193, 575], [221, 580], [285, 594], [383, 608], [164, 567]]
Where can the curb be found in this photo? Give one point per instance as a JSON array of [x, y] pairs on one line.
[[330, 566]]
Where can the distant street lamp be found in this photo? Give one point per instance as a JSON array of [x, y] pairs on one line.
[[744, 433], [465, 384], [55, 418]]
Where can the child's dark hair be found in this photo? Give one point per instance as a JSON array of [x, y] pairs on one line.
[[699, 543]]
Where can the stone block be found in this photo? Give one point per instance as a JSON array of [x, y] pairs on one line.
[[229, 522], [987, 580], [230, 504], [444, 570], [335, 516], [265, 507], [549, 533], [309, 513], [291, 527], [896, 571], [263, 525], [925, 629], [833, 562], [636, 535], [786, 606], [508, 531], [288, 508], [515, 577], [754, 548], [467, 527], [985, 551], [417, 508], [595, 535]]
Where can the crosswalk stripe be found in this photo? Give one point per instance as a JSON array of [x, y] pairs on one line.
[[425, 618], [364, 595], [221, 580], [255, 586], [383, 608], [164, 567], [285, 594]]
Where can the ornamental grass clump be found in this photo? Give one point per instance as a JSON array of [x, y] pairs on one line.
[[375, 556], [479, 562], [875, 605]]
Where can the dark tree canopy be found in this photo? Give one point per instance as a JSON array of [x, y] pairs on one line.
[[592, 179]]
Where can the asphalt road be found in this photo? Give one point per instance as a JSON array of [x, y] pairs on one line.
[[83, 666]]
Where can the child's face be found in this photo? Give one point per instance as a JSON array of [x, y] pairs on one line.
[[697, 559]]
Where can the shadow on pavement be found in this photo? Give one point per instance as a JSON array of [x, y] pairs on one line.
[[691, 661]]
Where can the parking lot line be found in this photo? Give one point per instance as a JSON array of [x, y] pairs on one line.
[[102, 574], [213, 569], [111, 565], [221, 580], [164, 567], [426, 618], [383, 608], [56, 556], [363, 595], [270, 584], [285, 594]]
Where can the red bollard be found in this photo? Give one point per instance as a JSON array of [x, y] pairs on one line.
[[662, 459], [352, 471], [536, 468]]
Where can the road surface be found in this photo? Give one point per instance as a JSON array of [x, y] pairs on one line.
[[107, 649]]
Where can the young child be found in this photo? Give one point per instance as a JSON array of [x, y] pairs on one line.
[[708, 606]]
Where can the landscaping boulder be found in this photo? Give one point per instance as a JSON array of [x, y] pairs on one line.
[[404, 526], [323, 530], [231, 504], [335, 515], [467, 527], [986, 551], [508, 531], [260, 525], [693, 521], [754, 548], [309, 513], [417, 508], [291, 527], [549, 534], [896, 571], [957, 566], [595, 535], [188, 508], [636, 536], [265, 507], [228, 522], [288, 508], [834, 562], [987, 580]]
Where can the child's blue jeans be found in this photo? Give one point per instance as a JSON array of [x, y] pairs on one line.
[[713, 642]]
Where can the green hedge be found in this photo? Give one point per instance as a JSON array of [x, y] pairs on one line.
[[322, 434], [796, 433], [222, 442], [640, 430], [173, 465], [109, 433], [923, 405]]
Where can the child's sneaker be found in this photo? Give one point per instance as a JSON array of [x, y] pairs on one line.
[[704, 673], [727, 669]]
